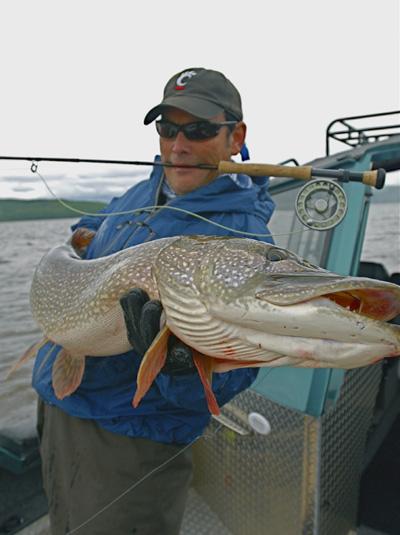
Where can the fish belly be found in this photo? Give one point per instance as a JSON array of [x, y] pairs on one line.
[[103, 337]]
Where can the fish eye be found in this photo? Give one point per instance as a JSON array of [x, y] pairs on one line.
[[275, 255]]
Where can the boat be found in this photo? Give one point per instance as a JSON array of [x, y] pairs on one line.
[[290, 454]]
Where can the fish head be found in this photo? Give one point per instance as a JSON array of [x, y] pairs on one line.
[[250, 293], [281, 277]]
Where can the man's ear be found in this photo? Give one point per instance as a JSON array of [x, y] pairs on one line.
[[238, 137]]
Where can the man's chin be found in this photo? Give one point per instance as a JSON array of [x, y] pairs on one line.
[[184, 180]]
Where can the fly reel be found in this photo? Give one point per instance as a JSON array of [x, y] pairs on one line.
[[321, 204]]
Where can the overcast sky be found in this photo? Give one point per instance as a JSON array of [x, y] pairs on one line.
[[78, 76]]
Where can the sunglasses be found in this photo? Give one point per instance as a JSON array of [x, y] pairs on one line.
[[197, 131]]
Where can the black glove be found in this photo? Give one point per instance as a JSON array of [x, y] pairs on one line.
[[142, 320]]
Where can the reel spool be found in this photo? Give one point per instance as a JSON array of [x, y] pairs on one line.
[[321, 204]]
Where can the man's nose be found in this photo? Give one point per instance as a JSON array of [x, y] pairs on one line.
[[180, 143]]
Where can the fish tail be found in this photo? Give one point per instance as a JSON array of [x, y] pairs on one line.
[[28, 354]]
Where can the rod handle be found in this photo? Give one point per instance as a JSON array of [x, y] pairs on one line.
[[266, 169], [375, 178]]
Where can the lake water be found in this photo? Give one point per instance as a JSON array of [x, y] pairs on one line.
[[22, 244]]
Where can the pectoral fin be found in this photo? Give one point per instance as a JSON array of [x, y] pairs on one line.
[[153, 361], [67, 373], [205, 367]]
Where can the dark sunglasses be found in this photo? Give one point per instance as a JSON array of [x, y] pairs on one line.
[[197, 131]]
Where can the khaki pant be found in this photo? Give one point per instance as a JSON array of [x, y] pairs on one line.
[[86, 468]]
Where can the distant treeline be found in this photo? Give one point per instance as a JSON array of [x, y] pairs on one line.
[[18, 210]]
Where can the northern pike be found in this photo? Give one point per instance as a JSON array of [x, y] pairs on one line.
[[236, 302]]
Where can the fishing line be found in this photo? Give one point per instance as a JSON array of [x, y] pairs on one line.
[[137, 483], [160, 207]]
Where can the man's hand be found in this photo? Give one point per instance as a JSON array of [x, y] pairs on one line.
[[142, 320]]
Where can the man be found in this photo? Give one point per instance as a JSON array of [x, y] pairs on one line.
[[94, 444]]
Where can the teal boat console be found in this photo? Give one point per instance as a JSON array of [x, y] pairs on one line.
[[310, 391]]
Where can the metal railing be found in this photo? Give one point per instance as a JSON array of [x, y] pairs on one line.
[[354, 134]]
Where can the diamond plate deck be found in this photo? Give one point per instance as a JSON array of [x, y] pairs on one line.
[[301, 479]]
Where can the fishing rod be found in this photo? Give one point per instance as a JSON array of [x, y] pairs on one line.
[[375, 178]]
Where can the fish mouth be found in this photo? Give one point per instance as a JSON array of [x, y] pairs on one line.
[[371, 303], [376, 300]]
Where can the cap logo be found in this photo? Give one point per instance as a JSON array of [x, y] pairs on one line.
[[183, 79]]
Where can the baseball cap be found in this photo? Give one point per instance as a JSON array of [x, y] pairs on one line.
[[200, 92]]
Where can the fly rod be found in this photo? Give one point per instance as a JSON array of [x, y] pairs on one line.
[[374, 178]]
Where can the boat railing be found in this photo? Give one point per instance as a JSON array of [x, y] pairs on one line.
[[360, 129]]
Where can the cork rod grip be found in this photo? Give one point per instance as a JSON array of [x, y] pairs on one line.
[[266, 169], [375, 179]]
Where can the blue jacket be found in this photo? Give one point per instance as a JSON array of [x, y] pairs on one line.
[[174, 410]]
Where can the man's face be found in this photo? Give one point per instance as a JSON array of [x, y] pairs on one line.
[[210, 151]]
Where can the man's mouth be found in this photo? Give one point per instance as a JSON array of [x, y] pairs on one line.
[[182, 164]]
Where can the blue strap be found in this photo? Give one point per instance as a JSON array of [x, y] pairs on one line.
[[244, 153]]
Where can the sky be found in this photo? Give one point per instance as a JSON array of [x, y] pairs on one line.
[[78, 76]]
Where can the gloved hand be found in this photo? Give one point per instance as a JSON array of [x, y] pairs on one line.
[[142, 320]]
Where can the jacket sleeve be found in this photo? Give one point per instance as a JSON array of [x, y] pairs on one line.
[[187, 392]]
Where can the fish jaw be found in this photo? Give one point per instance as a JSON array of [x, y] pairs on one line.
[[314, 334], [319, 318], [373, 298], [316, 352]]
